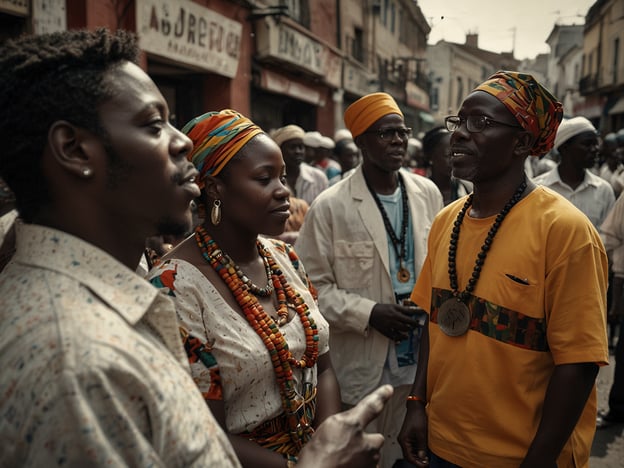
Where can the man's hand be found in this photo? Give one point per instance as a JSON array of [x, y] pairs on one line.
[[394, 321], [413, 435], [340, 440]]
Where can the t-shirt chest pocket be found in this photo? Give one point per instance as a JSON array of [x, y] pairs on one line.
[[353, 264]]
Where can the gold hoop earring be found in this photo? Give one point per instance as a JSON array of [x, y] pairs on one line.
[[215, 212]]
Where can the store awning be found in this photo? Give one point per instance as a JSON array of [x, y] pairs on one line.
[[618, 108], [427, 117]]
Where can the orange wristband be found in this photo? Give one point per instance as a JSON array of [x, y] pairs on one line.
[[416, 398]]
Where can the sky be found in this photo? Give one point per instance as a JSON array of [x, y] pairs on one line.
[[494, 22]]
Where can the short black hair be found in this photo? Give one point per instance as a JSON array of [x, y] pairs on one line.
[[44, 79], [432, 138]]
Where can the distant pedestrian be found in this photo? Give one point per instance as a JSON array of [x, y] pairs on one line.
[[304, 181], [577, 143]]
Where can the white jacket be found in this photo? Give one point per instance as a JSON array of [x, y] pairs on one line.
[[344, 248]]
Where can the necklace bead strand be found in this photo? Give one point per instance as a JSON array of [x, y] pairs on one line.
[[398, 243], [487, 243]]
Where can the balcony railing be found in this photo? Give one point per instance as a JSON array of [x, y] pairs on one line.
[[588, 84]]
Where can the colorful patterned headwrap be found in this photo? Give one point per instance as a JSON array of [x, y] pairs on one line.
[[217, 138], [367, 110], [531, 104]]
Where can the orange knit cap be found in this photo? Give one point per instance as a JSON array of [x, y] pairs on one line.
[[367, 110]]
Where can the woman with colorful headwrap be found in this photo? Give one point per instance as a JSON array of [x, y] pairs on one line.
[[514, 285], [256, 342]]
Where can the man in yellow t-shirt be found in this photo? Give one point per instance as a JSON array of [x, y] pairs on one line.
[[514, 284]]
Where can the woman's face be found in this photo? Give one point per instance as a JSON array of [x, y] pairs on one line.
[[254, 196]]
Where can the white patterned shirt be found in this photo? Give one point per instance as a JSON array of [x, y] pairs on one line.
[[93, 369]]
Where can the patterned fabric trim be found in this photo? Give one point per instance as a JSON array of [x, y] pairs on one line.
[[275, 434], [165, 281], [497, 322], [201, 352]]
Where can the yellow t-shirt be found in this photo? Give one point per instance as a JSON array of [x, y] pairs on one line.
[[486, 388]]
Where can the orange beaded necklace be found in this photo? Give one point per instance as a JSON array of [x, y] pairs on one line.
[[268, 330]]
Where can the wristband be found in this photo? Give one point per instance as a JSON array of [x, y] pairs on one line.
[[416, 398]]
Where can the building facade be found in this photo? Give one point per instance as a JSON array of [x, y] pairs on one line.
[[278, 61], [602, 80], [456, 69]]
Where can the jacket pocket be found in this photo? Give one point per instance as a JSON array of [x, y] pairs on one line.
[[353, 264]]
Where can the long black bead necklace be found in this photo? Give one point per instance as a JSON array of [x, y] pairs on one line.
[[399, 243], [454, 315]]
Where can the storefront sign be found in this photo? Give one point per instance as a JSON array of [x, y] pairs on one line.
[[280, 41], [186, 32], [278, 84], [15, 7], [49, 16], [416, 96], [358, 81]]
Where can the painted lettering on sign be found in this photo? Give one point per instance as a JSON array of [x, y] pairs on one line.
[[299, 48], [190, 33]]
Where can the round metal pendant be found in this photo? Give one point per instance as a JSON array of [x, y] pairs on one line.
[[454, 317], [403, 275]]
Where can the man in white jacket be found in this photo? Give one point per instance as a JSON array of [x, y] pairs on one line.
[[363, 242]]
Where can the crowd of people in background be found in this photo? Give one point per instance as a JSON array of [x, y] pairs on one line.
[[304, 287]]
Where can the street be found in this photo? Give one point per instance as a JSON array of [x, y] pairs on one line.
[[608, 448]]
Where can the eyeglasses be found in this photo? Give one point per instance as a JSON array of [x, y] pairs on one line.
[[474, 123], [387, 134]]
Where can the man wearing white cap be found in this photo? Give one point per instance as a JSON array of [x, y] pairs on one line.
[[304, 181], [324, 160], [577, 143]]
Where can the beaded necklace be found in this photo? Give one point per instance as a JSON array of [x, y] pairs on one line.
[[267, 329], [403, 275], [454, 316], [257, 290]]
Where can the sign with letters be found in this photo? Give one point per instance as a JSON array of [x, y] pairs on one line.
[[49, 16], [280, 41], [189, 33], [15, 7]]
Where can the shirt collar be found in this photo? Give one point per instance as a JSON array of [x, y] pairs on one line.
[[114, 283], [553, 177]]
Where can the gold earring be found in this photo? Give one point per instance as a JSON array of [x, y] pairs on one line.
[[215, 212]]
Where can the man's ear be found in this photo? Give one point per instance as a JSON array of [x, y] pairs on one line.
[[525, 141], [70, 148]]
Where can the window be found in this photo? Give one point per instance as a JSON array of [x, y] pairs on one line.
[[357, 46], [434, 98], [402, 29], [392, 17], [384, 14], [616, 53], [298, 10], [460, 91]]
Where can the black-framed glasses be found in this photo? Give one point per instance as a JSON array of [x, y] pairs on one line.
[[474, 123], [387, 134]]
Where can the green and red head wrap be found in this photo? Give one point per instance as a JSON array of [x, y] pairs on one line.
[[217, 138], [531, 104]]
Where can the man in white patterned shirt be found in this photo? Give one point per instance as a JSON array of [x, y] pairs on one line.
[[93, 369]]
